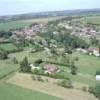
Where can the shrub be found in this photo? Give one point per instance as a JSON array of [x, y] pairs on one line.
[[15, 61], [76, 58], [65, 83], [91, 89], [84, 88], [3, 55], [69, 51], [97, 90], [58, 76], [98, 72], [37, 62], [39, 78], [35, 71], [33, 77]]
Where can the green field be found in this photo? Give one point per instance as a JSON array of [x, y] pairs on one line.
[[12, 92], [92, 20], [22, 23], [7, 67], [8, 47], [87, 66]]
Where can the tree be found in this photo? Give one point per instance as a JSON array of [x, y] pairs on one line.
[[73, 68], [24, 65], [98, 71], [65, 83]]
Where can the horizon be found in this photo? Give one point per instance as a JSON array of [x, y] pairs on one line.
[[48, 11], [16, 7]]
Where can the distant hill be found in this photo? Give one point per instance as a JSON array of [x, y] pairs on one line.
[[49, 14]]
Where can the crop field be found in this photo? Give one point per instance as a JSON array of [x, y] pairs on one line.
[[49, 88], [22, 23], [13, 92], [93, 20]]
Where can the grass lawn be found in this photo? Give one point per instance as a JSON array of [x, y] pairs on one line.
[[6, 67], [12, 92], [22, 23], [87, 64], [8, 47]]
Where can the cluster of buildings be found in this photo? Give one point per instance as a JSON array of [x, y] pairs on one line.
[[32, 31], [91, 51], [47, 68]]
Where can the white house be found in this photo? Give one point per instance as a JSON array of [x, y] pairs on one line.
[[98, 77], [34, 67], [82, 50]]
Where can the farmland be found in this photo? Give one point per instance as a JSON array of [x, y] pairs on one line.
[[70, 94], [22, 23], [84, 76], [47, 47], [13, 92], [93, 20]]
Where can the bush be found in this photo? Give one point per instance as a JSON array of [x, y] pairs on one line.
[[15, 61], [37, 62], [97, 90], [38, 72], [33, 77], [76, 58], [84, 88], [69, 51], [3, 55], [58, 76], [65, 83], [39, 78], [91, 89], [98, 72], [35, 71]]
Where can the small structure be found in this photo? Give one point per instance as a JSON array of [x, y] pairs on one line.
[[98, 77], [34, 67], [94, 51], [82, 50], [51, 68]]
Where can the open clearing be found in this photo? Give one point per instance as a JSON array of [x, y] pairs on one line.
[[25, 81]]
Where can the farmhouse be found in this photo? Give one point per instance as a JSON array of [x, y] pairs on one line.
[[51, 68], [98, 77], [94, 51]]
